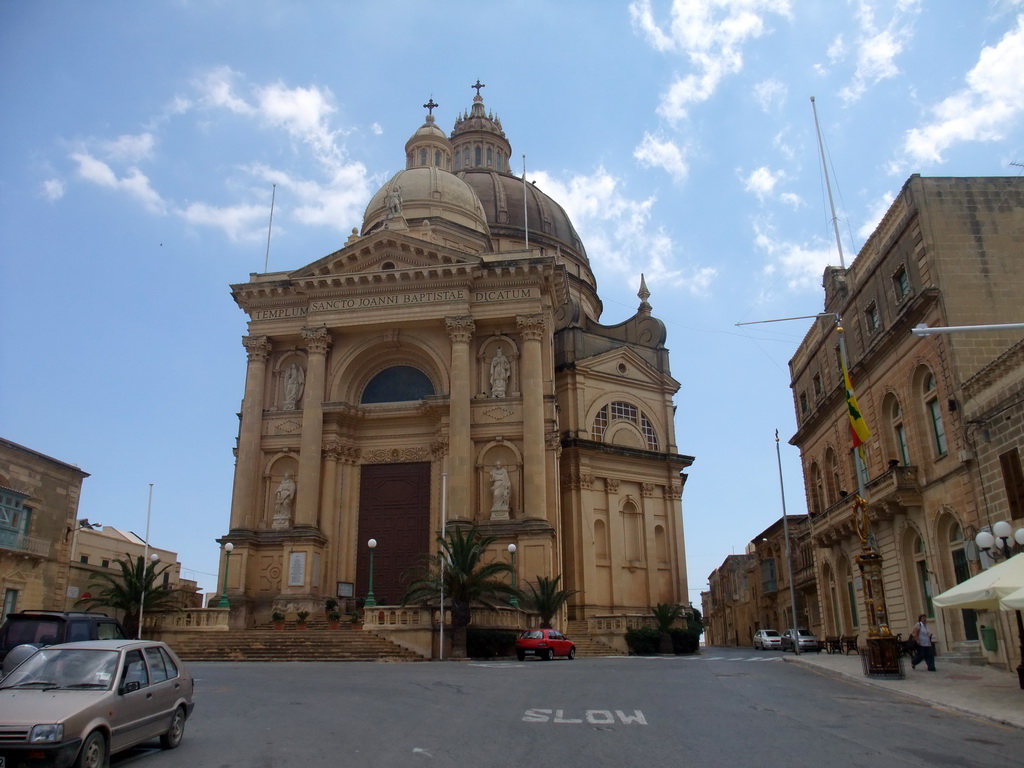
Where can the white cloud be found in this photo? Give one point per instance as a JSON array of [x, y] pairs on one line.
[[131, 149], [710, 34], [376, 129], [618, 232], [241, 222], [762, 181], [800, 266], [877, 48], [53, 189], [876, 210], [135, 182], [986, 109], [216, 90], [770, 94], [660, 153]]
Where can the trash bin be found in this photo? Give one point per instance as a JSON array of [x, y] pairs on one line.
[[988, 638]]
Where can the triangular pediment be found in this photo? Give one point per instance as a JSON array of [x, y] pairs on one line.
[[624, 365], [382, 252]]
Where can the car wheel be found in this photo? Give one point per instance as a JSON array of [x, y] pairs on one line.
[[572, 654], [549, 655], [521, 656], [93, 753], [176, 732]]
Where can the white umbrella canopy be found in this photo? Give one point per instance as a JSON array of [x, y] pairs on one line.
[[1013, 601], [989, 589]]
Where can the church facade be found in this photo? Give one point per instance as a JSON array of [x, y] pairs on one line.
[[448, 366]]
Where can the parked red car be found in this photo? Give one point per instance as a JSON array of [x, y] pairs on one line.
[[545, 644]]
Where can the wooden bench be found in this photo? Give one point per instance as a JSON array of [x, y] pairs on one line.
[[833, 644], [849, 644]]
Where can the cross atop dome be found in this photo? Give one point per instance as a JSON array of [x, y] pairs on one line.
[[478, 85], [430, 106]]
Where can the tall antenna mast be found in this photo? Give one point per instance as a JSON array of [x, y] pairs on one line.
[[270, 226], [831, 205]]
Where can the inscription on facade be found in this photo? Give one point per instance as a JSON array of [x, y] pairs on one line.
[[392, 300]]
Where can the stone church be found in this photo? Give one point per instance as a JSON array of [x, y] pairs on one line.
[[448, 365]]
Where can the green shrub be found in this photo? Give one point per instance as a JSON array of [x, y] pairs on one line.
[[490, 643], [643, 641], [685, 640]]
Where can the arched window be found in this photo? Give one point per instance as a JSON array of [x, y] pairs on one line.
[[437, 158], [622, 411], [899, 433], [817, 490], [934, 412], [423, 157], [397, 384], [489, 157], [476, 156], [835, 482], [923, 580]]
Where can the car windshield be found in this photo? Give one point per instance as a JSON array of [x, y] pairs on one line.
[[770, 633], [65, 668], [532, 634], [31, 631]]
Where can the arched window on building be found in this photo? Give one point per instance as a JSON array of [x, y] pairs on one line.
[[899, 432], [817, 490], [934, 414], [923, 580], [478, 161], [397, 384], [835, 483], [622, 411]]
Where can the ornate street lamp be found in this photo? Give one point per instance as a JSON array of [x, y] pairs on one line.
[[1001, 532], [512, 552], [227, 561], [372, 544]]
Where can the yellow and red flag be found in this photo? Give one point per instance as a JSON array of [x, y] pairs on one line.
[[858, 427]]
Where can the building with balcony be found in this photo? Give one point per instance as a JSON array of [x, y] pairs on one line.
[[947, 428], [774, 604], [38, 509]]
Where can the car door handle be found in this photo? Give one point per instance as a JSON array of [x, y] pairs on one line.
[[149, 695]]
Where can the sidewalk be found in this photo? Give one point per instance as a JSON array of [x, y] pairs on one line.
[[980, 691]]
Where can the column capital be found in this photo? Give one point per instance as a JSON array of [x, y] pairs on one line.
[[531, 327], [257, 347], [460, 328], [317, 340]]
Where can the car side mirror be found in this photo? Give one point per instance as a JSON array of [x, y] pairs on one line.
[[131, 686]]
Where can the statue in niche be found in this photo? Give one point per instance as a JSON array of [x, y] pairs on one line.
[[500, 370], [294, 382], [501, 491], [284, 497]]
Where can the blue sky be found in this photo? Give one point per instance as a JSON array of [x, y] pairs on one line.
[[140, 143]]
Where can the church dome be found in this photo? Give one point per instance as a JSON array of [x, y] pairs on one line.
[[424, 193]]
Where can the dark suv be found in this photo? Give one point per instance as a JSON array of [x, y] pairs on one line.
[[41, 628]]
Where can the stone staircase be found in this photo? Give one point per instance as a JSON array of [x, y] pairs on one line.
[[316, 643], [577, 631], [964, 652]]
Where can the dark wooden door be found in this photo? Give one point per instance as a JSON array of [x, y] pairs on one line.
[[394, 509]]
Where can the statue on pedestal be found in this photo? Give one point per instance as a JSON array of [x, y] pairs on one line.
[[500, 370], [294, 382], [501, 491], [283, 500]]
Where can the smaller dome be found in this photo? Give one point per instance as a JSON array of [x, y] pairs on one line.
[[425, 193]]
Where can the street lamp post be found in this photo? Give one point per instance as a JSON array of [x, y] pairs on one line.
[[142, 597], [986, 541], [512, 552], [227, 561], [372, 544]]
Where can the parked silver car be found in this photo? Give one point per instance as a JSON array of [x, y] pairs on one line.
[[808, 640], [767, 640], [78, 703]]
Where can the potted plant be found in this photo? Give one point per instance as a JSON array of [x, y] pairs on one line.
[[330, 606], [356, 619], [300, 619], [278, 619], [333, 619]]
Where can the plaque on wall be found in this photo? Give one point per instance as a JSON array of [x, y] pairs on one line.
[[345, 589], [297, 569]]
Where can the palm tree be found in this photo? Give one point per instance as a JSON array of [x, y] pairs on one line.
[[547, 599], [666, 614], [460, 574], [135, 586]]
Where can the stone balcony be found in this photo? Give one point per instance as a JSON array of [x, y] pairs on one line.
[[890, 493], [22, 544]]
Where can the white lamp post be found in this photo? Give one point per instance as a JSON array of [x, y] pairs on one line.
[[512, 552], [224, 592], [370, 601]]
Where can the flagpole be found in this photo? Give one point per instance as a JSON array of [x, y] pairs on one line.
[[789, 555]]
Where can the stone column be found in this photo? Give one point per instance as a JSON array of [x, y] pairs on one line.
[[460, 471], [247, 464], [308, 492], [531, 330]]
